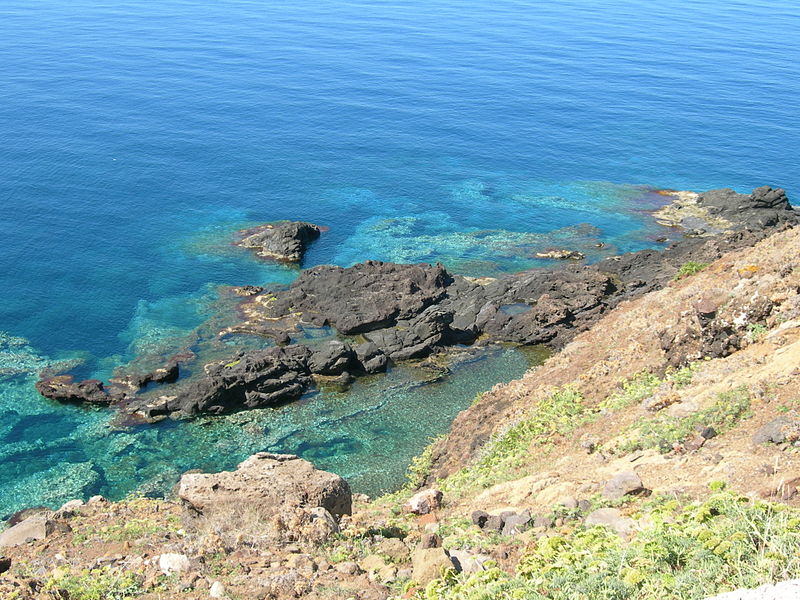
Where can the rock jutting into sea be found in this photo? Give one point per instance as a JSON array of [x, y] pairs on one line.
[[284, 241], [394, 312]]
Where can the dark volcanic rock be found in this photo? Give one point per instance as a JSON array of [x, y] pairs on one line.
[[332, 358], [370, 358], [284, 241], [412, 311], [64, 389], [365, 297], [251, 380], [764, 207]]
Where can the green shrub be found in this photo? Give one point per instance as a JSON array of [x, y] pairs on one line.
[[679, 553], [689, 268], [94, 584], [634, 390], [663, 431], [558, 414]]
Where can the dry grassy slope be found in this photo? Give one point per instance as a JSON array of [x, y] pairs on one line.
[[628, 341]]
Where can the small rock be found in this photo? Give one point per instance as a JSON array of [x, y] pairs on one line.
[[68, 509], [569, 502], [393, 548], [347, 568], [97, 500], [5, 564], [465, 562], [405, 573], [516, 523], [543, 522], [429, 564], [780, 430], [217, 590], [302, 563], [479, 518], [171, 562], [561, 255], [622, 484], [494, 523], [708, 432], [613, 519], [425, 502], [430, 540], [584, 505], [372, 563]]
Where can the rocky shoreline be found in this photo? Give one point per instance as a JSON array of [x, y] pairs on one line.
[[667, 430], [385, 312]]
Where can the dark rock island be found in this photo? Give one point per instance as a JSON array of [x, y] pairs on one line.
[[285, 241]]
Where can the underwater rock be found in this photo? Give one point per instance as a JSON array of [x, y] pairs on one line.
[[562, 254], [284, 241], [64, 389]]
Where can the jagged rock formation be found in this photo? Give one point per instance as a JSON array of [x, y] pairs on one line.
[[285, 241]]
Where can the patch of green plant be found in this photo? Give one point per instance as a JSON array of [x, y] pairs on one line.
[[688, 269], [755, 331], [663, 431], [558, 414], [679, 552], [682, 377], [642, 385], [94, 584], [130, 530]]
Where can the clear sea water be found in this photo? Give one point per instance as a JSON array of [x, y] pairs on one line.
[[136, 136]]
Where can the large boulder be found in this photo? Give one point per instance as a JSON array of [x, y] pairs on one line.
[[284, 241], [37, 527], [281, 495]]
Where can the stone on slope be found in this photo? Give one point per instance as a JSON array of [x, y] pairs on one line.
[[37, 527], [613, 519], [429, 563], [780, 430], [622, 484], [785, 590]]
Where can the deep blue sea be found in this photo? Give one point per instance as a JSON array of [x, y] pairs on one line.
[[138, 135]]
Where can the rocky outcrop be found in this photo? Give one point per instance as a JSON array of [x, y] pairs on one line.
[[283, 495], [64, 388], [764, 207], [257, 379], [285, 241]]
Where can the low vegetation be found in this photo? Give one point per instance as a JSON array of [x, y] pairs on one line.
[[92, 584], [688, 269], [726, 542], [664, 431], [557, 415]]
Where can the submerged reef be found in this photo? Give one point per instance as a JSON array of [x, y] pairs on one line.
[[386, 312]]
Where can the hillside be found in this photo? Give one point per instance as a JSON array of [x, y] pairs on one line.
[[654, 457]]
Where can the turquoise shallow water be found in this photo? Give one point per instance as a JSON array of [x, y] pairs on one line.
[[137, 136]]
